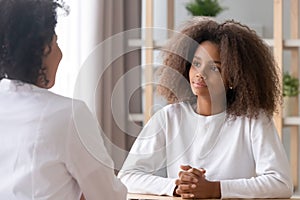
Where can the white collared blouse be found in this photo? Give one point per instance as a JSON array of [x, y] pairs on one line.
[[51, 148]]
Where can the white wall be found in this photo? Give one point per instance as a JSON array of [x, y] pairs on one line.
[[255, 13]]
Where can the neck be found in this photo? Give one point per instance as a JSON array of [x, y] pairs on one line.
[[207, 107]]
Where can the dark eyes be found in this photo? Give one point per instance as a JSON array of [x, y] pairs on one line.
[[196, 64], [212, 67]]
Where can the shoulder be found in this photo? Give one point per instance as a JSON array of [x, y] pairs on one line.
[[60, 109], [260, 125], [172, 113], [263, 125], [261, 118], [61, 102]]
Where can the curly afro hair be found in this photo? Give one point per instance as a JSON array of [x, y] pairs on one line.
[[249, 72], [26, 28]]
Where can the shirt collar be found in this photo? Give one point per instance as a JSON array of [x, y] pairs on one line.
[[16, 85]]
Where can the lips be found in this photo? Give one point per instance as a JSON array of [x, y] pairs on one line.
[[199, 84]]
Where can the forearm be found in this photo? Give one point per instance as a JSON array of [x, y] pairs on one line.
[[139, 182], [259, 187]]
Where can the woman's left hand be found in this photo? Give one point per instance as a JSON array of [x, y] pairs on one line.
[[192, 184]]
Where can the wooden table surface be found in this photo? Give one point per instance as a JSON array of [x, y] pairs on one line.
[[132, 196]]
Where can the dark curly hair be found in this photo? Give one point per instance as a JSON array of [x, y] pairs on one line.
[[249, 72], [26, 28]]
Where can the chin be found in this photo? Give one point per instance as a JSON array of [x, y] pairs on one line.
[[201, 92], [49, 85]]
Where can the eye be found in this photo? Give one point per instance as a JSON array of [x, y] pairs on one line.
[[196, 64], [214, 68]]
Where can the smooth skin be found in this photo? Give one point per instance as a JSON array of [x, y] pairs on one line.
[[192, 184], [206, 81]]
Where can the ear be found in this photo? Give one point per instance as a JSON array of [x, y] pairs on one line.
[[47, 50]]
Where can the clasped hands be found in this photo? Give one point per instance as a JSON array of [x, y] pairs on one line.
[[191, 183]]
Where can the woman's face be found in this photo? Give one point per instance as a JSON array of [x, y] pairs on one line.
[[50, 61], [205, 72]]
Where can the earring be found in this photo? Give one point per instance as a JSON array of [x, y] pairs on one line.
[[230, 87]]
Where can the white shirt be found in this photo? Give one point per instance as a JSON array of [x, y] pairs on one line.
[[51, 148], [244, 154]]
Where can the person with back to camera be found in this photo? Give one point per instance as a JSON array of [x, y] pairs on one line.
[[50, 145], [217, 138]]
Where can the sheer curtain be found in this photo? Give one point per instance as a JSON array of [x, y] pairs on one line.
[[89, 38]]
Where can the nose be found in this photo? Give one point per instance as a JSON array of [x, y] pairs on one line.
[[201, 75]]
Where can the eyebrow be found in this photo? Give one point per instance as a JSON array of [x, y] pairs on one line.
[[215, 61]]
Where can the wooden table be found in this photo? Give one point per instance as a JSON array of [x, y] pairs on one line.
[[132, 196]]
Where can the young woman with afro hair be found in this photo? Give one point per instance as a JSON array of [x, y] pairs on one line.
[[216, 138]]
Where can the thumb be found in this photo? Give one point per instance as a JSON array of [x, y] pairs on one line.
[[202, 170], [185, 167]]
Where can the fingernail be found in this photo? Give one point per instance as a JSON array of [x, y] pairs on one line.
[[193, 186], [191, 195]]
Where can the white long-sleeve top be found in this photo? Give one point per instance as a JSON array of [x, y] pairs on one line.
[[51, 148], [244, 154]]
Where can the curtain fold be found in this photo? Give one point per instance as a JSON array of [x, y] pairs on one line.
[[94, 39], [113, 97], [110, 76]]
